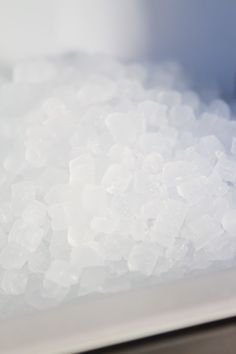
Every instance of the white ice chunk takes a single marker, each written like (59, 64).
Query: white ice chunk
(39, 260)
(27, 235)
(107, 223)
(204, 230)
(85, 256)
(14, 282)
(143, 258)
(226, 167)
(13, 256)
(116, 179)
(122, 127)
(61, 273)
(94, 199)
(194, 189)
(93, 278)
(169, 222)
(82, 169)
(58, 217)
(229, 222)
(176, 172)
(34, 213)
(22, 193)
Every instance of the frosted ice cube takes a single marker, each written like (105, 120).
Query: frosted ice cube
(226, 167)
(58, 217)
(94, 198)
(120, 153)
(210, 146)
(34, 213)
(14, 282)
(169, 222)
(3, 237)
(5, 213)
(107, 223)
(123, 127)
(61, 273)
(51, 176)
(194, 189)
(39, 260)
(59, 245)
(116, 179)
(93, 278)
(182, 117)
(153, 113)
(229, 222)
(15, 162)
(157, 142)
(143, 258)
(223, 248)
(28, 236)
(82, 169)
(85, 256)
(153, 163)
(57, 194)
(175, 172)
(205, 230)
(13, 256)
(53, 291)
(22, 193)
(116, 247)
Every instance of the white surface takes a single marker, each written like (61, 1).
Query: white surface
(113, 319)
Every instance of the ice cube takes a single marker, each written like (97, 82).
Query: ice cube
(28, 236)
(61, 273)
(104, 224)
(123, 127)
(85, 256)
(169, 221)
(94, 199)
(22, 193)
(175, 172)
(116, 179)
(14, 282)
(229, 222)
(13, 256)
(226, 167)
(194, 189)
(39, 260)
(205, 230)
(143, 258)
(34, 213)
(93, 278)
(82, 169)
(58, 217)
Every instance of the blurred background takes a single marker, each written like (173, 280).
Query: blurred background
(200, 34)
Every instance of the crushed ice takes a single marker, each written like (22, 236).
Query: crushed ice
(109, 173)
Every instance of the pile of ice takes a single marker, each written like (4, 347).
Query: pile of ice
(109, 173)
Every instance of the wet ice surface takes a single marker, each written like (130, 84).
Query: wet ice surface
(110, 174)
